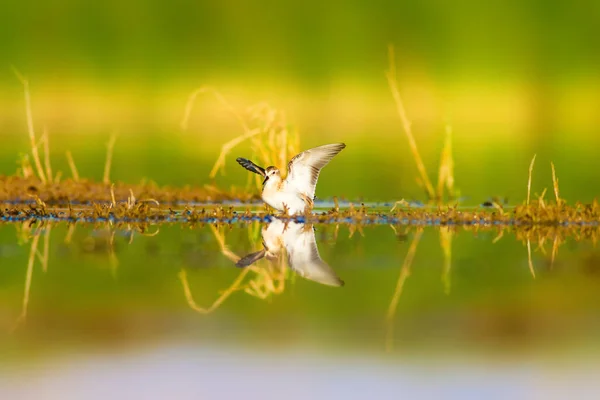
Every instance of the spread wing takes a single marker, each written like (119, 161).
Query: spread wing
(303, 255)
(303, 169)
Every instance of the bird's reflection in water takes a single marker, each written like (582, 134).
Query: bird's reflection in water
(298, 241)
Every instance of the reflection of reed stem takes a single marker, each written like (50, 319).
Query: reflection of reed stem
(70, 232)
(529, 260)
(221, 240)
(46, 253)
(404, 273)
(112, 256)
(261, 286)
(29, 274)
(224, 295)
(446, 244)
(554, 251)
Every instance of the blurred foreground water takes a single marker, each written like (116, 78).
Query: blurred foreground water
(422, 312)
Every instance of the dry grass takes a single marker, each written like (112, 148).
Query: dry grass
(445, 184)
(272, 140)
(82, 191)
(555, 185)
(446, 170)
(110, 146)
(30, 127)
(529, 179)
(406, 124)
(72, 166)
(47, 164)
(45, 186)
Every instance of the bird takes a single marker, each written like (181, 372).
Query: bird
(296, 193)
(298, 240)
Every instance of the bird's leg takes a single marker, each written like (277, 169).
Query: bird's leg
(286, 224)
(307, 227)
(309, 203)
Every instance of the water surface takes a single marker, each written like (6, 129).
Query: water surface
(465, 308)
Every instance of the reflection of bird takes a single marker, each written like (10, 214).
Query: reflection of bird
(296, 193)
(299, 243)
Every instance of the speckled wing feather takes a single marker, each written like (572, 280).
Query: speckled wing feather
(303, 255)
(304, 169)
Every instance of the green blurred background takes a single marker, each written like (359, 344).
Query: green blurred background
(513, 79)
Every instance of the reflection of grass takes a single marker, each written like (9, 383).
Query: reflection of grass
(28, 276)
(31, 234)
(222, 297)
(404, 273)
(446, 234)
(539, 221)
(26, 233)
(268, 277)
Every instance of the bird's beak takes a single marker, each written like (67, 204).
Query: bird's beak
(266, 179)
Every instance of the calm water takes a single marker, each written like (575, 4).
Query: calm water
(166, 313)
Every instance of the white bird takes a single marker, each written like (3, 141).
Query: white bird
(299, 242)
(294, 194)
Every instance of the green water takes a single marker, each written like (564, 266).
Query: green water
(480, 306)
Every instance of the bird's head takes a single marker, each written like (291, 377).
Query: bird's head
(271, 172)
